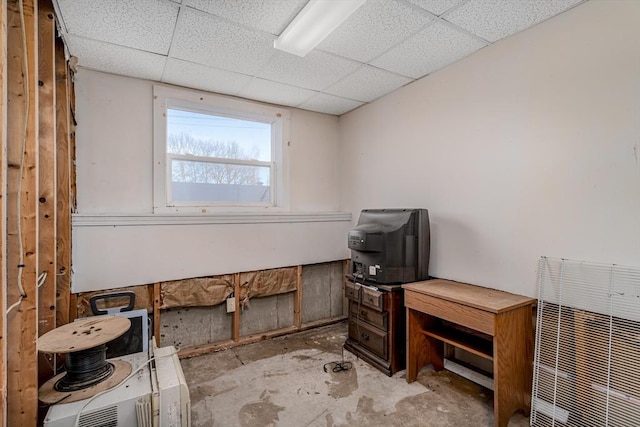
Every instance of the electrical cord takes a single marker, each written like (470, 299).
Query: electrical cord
(41, 281)
(25, 82)
(340, 366)
(135, 371)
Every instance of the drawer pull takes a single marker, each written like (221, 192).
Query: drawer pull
(364, 337)
(363, 313)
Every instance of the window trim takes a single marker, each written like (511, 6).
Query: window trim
(165, 97)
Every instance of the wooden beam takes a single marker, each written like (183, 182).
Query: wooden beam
(212, 347)
(22, 210)
(249, 339)
(297, 302)
(72, 140)
(236, 313)
(156, 312)
(73, 307)
(63, 187)
(46, 180)
(3, 213)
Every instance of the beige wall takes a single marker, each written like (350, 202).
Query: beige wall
(529, 147)
(116, 238)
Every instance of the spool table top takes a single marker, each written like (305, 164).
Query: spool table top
(83, 334)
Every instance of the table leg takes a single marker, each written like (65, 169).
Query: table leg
(421, 350)
(513, 364)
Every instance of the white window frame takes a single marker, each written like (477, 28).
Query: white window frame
(165, 97)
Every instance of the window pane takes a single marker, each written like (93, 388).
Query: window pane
(208, 135)
(219, 182)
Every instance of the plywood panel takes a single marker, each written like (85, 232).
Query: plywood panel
(22, 245)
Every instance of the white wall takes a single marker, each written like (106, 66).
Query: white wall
(529, 147)
(114, 186)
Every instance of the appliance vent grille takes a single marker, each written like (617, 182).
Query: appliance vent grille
(107, 417)
(587, 345)
(144, 412)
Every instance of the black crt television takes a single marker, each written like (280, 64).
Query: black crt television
(391, 246)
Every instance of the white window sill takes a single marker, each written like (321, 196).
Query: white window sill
(105, 220)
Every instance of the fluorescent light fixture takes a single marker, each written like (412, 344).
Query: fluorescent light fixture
(316, 20)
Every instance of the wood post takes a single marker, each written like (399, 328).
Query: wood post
(47, 179)
(63, 187)
(236, 313)
(22, 211)
(34, 86)
(156, 312)
(297, 303)
(3, 213)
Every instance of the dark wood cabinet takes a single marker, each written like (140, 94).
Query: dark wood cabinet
(376, 324)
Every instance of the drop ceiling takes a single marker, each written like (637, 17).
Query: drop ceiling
(226, 46)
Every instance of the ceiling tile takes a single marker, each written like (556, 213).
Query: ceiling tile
(495, 19)
(142, 24)
(437, 7)
(201, 77)
(209, 40)
(315, 71)
(367, 84)
(428, 51)
(115, 59)
(271, 16)
(275, 93)
(374, 28)
(329, 104)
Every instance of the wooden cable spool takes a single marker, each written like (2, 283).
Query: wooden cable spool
(87, 370)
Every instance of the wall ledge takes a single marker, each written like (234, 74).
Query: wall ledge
(124, 219)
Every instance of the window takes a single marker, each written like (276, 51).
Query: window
(214, 153)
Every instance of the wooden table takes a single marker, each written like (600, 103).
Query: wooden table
(492, 324)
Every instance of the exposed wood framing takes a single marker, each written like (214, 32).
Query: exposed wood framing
(22, 209)
(73, 303)
(156, 312)
(236, 313)
(297, 302)
(322, 322)
(47, 180)
(63, 190)
(236, 338)
(72, 139)
(249, 339)
(3, 213)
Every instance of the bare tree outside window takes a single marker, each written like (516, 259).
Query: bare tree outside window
(212, 173)
(218, 159)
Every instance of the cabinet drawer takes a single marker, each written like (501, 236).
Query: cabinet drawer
(373, 299)
(376, 318)
(352, 290)
(370, 337)
(470, 317)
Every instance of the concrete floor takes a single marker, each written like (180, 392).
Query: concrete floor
(281, 382)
